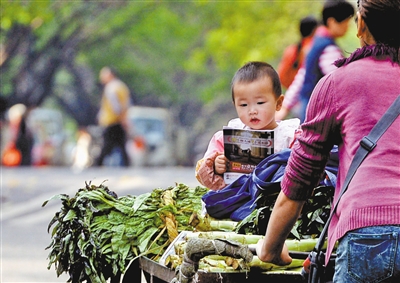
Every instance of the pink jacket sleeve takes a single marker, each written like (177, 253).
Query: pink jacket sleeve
(205, 173)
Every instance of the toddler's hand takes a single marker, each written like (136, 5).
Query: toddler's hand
(220, 164)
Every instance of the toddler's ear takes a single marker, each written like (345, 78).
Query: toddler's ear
(279, 102)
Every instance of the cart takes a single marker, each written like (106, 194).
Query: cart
(155, 272)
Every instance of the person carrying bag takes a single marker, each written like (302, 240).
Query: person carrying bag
(343, 108)
(314, 266)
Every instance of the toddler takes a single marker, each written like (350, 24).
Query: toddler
(257, 95)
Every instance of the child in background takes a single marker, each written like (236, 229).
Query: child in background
(257, 95)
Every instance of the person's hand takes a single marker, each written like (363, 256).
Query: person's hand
(281, 258)
(220, 164)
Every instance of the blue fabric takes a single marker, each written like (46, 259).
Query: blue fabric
(313, 72)
(369, 255)
(237, 200)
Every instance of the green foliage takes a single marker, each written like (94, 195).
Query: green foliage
(172, 53)
(32, 13)
(248, 31)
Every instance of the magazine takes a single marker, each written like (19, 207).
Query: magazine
(244, 149)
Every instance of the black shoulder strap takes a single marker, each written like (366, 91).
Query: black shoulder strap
(367, 144)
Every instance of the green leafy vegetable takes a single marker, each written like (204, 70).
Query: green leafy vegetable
(96, 234)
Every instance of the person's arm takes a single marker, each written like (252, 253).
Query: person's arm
(329, 55)
(284, 215)
(304, 170)
(205, 167)
(292, 94)
(206, 175)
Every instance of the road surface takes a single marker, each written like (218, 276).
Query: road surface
(23, 229)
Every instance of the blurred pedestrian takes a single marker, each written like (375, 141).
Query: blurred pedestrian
(25, 140)
(336, 15)
(3, 111)
(344, 107)
(293, 56)
(18, 151)
(3, 107)
(112, 116)
(81, 152)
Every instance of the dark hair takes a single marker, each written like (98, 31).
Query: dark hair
(253, 71)
(308, 25)
(340, 10)
(383, 20)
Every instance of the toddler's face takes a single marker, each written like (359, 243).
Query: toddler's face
(256, 104)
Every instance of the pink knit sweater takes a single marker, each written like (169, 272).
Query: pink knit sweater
(343, 108)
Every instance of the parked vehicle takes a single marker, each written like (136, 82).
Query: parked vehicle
(50, 139)
(154, 137)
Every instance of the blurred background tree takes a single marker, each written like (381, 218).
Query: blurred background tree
(178, 55)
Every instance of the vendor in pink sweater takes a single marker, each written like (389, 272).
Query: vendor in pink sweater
(344, 107)
(257, 95)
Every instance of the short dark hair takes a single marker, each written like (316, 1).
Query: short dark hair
(340, 10)
(308, 25)
(255, 70)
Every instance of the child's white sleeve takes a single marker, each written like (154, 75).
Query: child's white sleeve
(285, 134)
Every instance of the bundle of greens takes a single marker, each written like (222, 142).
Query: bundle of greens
(96, 233)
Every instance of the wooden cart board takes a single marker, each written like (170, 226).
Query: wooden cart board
(147, 270)
(157, 273)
